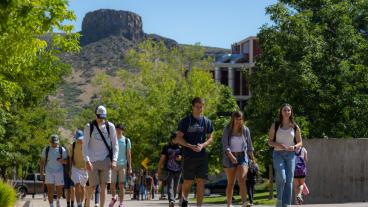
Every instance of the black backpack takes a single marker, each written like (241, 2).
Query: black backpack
(61, 155)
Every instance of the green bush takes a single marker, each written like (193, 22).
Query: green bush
(7, 195)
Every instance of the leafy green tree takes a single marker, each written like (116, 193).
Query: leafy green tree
(29, 71)
(313, 57)
(155, 93)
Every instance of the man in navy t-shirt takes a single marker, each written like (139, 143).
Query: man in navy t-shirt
(194, 134)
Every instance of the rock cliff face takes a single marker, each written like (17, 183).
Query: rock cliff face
(103, 23)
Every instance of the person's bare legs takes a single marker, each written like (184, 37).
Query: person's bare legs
(79, 193)
(59, 190)
(230, 174)
(185, 188)
(50, 192)
(102, 194)
(241, 174)
(200, 190)
(89, 192)
(113, 190)
(121, 192)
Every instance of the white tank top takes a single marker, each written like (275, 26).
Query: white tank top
(285, 137)
(236, 143)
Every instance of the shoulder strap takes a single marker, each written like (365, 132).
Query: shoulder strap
(47, 154)
(91, 128)
(61, 151)
(73, 147)
(277, 124)
(104, 140)
(107, 127)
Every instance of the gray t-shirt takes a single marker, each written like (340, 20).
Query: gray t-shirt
(52, 165)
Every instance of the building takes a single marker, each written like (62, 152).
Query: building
(232, 69)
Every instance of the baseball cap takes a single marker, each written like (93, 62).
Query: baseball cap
(54, 139)
(101, 112)
(78, 135)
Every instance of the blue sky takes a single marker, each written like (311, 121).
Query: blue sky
(216, 23)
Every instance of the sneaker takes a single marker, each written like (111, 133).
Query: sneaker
(97, 205)
(121, 205)
(112, 202)
(246, 205)
(299, 200)
(184, 203)
(171, 204)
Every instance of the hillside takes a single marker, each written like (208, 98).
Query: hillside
(106, 36)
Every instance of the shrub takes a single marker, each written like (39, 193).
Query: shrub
(7, 195)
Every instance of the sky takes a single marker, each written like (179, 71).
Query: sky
(215, 23)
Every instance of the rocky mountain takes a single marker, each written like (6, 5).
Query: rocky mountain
(105, 37)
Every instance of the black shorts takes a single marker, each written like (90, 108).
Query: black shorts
(195, 167)
(303, 176)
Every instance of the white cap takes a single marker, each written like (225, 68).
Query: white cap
(101, 112)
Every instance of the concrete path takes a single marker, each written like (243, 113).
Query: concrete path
(39, 202)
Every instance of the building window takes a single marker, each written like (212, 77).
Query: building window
(224, 76)
(237, 82)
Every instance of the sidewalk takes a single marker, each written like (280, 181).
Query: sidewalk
(39, 202)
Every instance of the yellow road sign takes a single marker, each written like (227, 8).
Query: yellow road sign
(145, 163)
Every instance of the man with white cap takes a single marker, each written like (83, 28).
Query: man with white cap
(100, 150)
(53, 157)
(79, 172)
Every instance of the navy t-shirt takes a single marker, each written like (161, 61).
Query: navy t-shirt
(171, 151)
(195, 132)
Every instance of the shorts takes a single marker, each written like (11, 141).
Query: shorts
(68, 183)
(101, 173)
(195, 167)
(119, 174)
(242, 161)
(302, 176)
(56, 178)
(79, 176)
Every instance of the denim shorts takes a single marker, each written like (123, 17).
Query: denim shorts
(242, 160)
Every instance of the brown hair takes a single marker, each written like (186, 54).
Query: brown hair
(197, 100)
(236, 114)
(291, 116)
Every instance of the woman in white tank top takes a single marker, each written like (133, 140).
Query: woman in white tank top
(237, 150)
(284, 136)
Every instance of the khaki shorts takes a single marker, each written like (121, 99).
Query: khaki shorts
(119, 174)
(101, 172)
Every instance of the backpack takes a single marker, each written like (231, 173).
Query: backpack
(300, 167)
(91, 125)
(61, 155)
(47, 153)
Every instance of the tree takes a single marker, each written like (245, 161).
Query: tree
(313, 57)
(29, 71)
(155, 93)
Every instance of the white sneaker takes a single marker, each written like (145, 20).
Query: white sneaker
(97, 205)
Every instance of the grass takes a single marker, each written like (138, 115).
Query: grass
(260, 197)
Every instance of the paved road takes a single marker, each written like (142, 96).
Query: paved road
(39, 202)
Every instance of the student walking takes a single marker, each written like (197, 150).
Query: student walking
(194, 134)
(100, 150)
(170, 159)
(123, 168)
(285, 137)
(53, 157)
(252, 179)
(79, 172)
(300, 173)
(237, 151)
